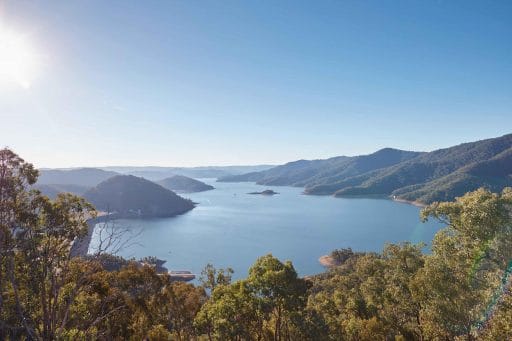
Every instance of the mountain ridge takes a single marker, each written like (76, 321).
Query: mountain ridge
(423, 177)
(85, 176)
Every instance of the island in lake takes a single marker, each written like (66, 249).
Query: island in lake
(265, 192)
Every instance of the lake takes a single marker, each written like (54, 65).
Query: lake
(230, 228)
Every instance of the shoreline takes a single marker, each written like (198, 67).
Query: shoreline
(80, 246)
(410, 202)
(368, 196)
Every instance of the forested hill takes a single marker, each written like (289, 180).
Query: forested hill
(423, 177)
(304, 173)
(128, 195)
(184, 184)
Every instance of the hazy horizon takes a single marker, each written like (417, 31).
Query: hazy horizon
(181, 84)
(242, 165)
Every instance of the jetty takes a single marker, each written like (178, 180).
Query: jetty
(182, 276)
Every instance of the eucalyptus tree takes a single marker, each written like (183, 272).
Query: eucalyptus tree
(470, 264)
(281, 294)
(36, 235)
(211, 277)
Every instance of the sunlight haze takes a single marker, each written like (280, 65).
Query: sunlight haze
(206, 83)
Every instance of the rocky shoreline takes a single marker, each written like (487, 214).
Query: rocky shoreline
(327, 261)
(414, 203)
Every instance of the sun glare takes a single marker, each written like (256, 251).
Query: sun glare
(18, 60)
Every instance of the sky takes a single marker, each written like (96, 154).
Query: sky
(190, 83)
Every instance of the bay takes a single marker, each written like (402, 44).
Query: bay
(231, 228)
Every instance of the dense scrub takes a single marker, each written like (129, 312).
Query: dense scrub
(458, 291)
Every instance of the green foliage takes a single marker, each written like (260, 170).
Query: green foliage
(468, 261)
(36, 235)
(461, 290)
(340, 256)
(231, 313)
(370, 293)
(212, 277)
(269, 304)
(499, 327)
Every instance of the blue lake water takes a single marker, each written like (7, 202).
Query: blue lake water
(230, 228)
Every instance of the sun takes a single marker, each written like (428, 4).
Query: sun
(18, 60)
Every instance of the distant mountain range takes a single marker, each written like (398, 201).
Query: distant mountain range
(184, 184)
(52, 190)
(79, 180)
(93, 176)
(87, 177)
(404, 175)
(131, 196)
(159, 173)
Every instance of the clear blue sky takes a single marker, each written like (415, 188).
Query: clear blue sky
(182, 83)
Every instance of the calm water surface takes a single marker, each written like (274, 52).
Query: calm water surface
(230, 228)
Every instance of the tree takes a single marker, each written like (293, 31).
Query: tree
(279, 290)
(340, 256)
(184, 302)
(499, 325)
(269, 304)
(15, 176)
(212, 277)
(400, 309)
(36, 235)
(461, 290)
(232, 313)
(468, 261)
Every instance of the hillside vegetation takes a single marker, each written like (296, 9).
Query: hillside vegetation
(460, 290)
(184, 184)
(128, 196)
(423, 177)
